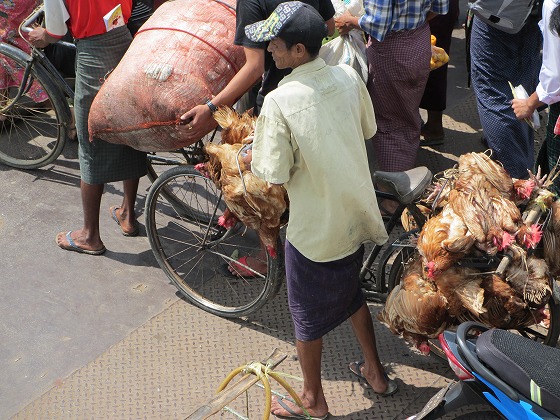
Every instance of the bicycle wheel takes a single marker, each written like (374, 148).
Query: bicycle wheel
(160, 162)
(397, 257)
(194, 252)
(31, 135)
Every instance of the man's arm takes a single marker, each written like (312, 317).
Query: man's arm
(55, 28)
(200, 116)
(331, 26)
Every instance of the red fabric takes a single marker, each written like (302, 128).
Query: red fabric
(86, 16)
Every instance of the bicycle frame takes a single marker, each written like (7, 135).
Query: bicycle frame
(36, 58)
(379, 292)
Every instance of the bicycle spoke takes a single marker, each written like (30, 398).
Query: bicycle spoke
(195, 252)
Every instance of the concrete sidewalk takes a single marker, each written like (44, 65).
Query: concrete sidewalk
(109, 338)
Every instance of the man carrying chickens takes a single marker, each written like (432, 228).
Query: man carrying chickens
(310, 138)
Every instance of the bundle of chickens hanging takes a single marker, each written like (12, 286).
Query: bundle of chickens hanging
(258, 204)
(479, 256)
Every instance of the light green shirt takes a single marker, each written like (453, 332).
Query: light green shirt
(310, 137)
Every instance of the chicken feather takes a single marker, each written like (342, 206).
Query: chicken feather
(415, 308)
(255, 202)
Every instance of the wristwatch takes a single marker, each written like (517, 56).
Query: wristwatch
(213, 108)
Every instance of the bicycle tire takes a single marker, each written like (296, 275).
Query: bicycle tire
(194, 253)
(400, 256)
(31, 136)
(190, 155)
(155, 169)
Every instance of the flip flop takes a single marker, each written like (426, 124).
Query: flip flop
(293, 415)
(241, 271)
(73, 247)
(136, 230)
(392, 386)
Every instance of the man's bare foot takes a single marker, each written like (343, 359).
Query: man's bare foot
(76, 241)
(127, 222)
(283, 407)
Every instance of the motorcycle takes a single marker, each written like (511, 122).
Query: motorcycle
(518, 377)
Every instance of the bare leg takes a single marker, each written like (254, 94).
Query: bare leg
(372, 368)
(313, 398)
(126, 213)
(88, 237)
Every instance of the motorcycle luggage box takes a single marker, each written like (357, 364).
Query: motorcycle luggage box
(530, 367)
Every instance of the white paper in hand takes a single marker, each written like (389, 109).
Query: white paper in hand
(519, 92)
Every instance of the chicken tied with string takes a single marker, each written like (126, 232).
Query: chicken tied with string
(488, 253)
(258, 204)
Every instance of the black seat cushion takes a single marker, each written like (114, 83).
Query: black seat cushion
(517, 360)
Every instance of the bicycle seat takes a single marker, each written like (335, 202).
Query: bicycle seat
(407, 186)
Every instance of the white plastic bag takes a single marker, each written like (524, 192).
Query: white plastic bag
(347, 49)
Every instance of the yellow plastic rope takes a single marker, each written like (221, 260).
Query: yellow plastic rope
(262, 372)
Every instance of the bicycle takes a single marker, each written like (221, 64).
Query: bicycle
(194, 251)
(33, 136)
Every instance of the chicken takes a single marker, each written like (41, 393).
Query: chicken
(551, 240)
(462, 288)
(444, 239)
(480, 163)
(407, 220)
(235, 127)
(529, 277)
(504, 308)
(476, 213)
(437, 194)
(415, 309)
(255, 202)
(499, 293)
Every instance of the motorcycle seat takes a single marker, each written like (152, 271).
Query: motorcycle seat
(531, 368)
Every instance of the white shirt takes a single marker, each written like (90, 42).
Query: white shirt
(310, 137)
(56, 16)
(548, 89)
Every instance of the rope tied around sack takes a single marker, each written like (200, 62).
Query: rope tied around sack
(233, 66)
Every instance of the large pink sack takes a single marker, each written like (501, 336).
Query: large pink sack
(182, 56)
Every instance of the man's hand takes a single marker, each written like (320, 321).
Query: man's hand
(40, 38)
(345, 23)
(524, 108)
(521, 108)
(198, 123)
(247, 158)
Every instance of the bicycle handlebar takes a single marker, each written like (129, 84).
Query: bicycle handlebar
(26, 26)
